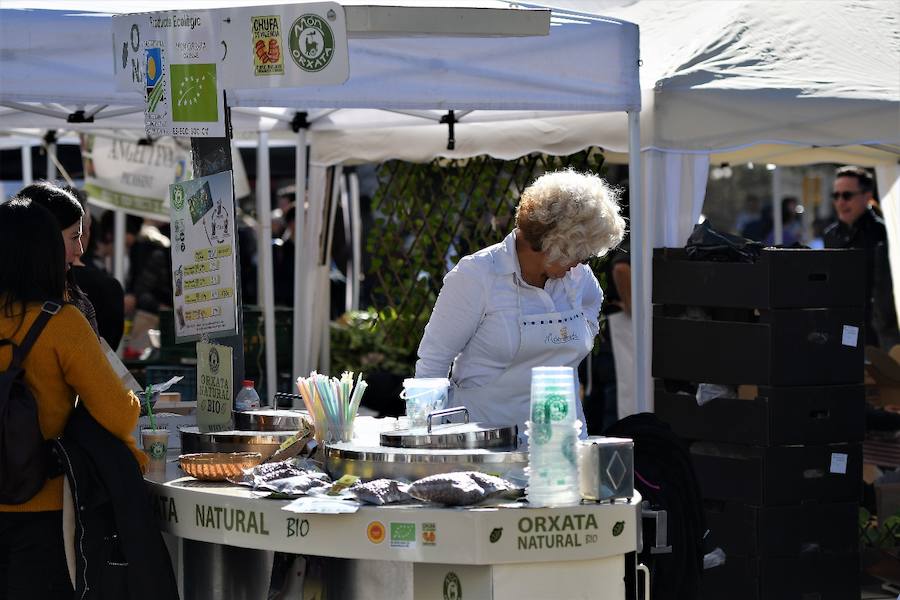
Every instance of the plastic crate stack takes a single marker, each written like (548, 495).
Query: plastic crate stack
(780, 465)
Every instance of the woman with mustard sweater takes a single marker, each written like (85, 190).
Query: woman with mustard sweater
(64, 365)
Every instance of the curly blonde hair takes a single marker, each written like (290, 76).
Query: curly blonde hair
(571, 216)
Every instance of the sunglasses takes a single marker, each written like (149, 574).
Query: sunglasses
(843, 195)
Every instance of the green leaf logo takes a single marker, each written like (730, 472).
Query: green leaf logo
(495, 534)
(618, 528)
(194, 96)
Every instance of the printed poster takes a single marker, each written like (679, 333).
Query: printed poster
(203, 257)
(123, 174)
(215, 384)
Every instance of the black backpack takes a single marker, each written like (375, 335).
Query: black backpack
(665, 477)
(23, 452)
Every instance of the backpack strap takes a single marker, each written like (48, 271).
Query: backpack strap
(21, 351)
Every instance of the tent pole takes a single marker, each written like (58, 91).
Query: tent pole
(300, 320)
(641, 244)
(265, 295)
(356, 221)
(348, 242)
(119, 250)
(27, 172)
(51, 152)
(776, 206)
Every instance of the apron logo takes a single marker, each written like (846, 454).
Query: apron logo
(564, 337)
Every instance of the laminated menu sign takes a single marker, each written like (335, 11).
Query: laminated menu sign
(215, 384)
(203, 257)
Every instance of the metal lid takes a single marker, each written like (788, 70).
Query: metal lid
(270, 419)
(453, 436)
(351, 451)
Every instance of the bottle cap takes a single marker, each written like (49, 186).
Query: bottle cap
(248, 383)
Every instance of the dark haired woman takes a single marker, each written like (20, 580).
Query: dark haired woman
(65, 362)
(69, 214)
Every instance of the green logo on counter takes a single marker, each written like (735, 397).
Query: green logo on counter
(403, 535)
(452, 587)
(618, 528)
(495, 534)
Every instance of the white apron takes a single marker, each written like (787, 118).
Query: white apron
(557, 339)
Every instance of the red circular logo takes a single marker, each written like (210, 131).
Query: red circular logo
(375, 532)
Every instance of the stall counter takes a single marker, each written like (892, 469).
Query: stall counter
(494, 553)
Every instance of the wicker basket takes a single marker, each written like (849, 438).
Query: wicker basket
(218, 466)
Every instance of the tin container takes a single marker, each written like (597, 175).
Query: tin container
(606, 468)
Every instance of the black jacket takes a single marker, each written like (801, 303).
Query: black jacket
(120, 553)
(870, 234)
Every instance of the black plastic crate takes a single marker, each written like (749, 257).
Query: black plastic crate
(791, 347)
(747, 530)
(781, 278)
(778, 475)
(777, 416)
(807, 576)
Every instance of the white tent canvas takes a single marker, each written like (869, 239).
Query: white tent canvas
(67, 70)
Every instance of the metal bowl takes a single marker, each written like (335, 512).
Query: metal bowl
(373, 462)
(270, 419)
(264, 442)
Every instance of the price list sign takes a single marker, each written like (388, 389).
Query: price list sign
(203, 258)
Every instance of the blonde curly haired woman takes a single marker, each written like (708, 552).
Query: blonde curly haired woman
(527, 301)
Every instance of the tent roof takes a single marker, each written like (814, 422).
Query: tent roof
(64, 57)
(787, 83)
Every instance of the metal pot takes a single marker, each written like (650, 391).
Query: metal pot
(418, 452)
(453, 436)
(264, 442)
(270, 419)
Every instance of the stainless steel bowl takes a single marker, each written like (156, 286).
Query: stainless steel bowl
(270, 419)
(264, 442)
(372, 462)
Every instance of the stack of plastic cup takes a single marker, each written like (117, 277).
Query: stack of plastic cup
(553, 438)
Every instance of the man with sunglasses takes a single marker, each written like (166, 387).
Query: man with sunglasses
(858, 226)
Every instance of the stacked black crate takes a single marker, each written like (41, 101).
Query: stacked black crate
(780, 467)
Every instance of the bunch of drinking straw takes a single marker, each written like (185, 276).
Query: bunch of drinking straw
(332, 403)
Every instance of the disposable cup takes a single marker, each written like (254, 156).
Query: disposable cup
(155, 443)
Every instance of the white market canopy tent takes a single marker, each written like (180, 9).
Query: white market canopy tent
(785, 83)
(56, 63)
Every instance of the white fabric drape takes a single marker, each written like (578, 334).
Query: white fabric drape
(675, 185)
(888, 177)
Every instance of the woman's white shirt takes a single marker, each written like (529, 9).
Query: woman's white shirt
(474, 325)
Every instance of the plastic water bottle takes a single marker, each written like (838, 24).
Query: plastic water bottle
(247, 398)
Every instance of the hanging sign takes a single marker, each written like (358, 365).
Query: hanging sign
(174, 58)
(122, 174)
(178, 58)
(204, 279)
(215, 383)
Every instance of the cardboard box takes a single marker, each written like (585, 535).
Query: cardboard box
(778, 475)
(170, 421)
(745, 530)
(171, 402)
(785, 347)
(775, 416)
(812, 575)
(781, 278)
